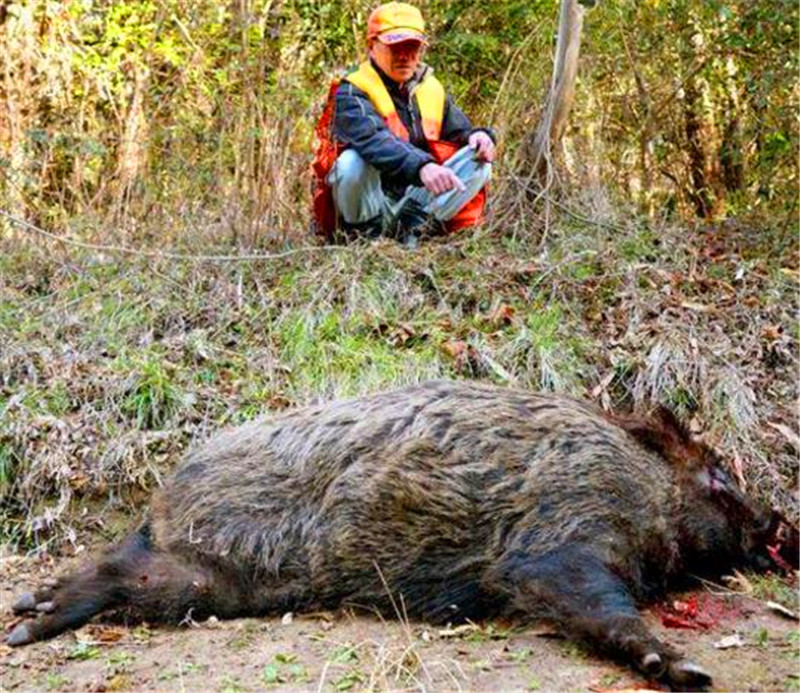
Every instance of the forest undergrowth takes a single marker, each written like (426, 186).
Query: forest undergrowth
(112, 363)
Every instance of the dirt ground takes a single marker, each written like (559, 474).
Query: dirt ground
(351, 652)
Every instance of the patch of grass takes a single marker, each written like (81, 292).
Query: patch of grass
(34, 400)
(575, 651)
(720, 270)
(153, 396)
(587, 266)
(774, 588)
(792, 682)
(58, 399)
(349, 679)
(244, 636)
(205, 376)
(521, 655)
(546, 359)
(284, 669)
(378, 299)
(27, 326)
(271, 675)
(82, 651)
(482, 665)
(120, 662)
(12, 531)
(489, 632)
(639, 247)
(231, 684)
(328, 352)
(57, 682)
(344, 654)
(142, 634)
(681, 399)
(119, 314)
(9, 465)
(608, 680)
(256, 397)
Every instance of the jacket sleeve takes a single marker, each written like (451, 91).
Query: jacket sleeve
(358, 124)
(456, 127)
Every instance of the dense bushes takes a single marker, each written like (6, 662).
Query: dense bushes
(147, 110)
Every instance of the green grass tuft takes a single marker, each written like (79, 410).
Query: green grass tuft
(153, 397)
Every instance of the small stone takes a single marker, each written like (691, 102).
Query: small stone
(287, 618)
(729, 641)
(782, 610)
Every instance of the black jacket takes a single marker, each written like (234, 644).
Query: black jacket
(358, 124)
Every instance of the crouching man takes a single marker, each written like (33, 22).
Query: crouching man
(395, 156)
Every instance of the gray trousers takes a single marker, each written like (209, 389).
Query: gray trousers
(359, 197)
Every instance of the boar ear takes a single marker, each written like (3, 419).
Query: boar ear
(670, 423)
(662, 433)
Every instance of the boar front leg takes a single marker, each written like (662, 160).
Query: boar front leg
(575, 589)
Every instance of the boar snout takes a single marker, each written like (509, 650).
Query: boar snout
(783, 544)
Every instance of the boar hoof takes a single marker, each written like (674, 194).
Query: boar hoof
(653, 665)
(26, 602)
(684, 674)
(21, 635)
(46, 607)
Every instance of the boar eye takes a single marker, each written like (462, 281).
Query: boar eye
(719, 479)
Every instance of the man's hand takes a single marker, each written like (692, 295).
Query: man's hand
(439, 179)
(483, 145)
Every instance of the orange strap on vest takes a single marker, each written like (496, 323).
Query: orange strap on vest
(429, 94)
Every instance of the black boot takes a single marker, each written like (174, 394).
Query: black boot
(409, 240)
(370, 229)
(411, 230)
(411, 225)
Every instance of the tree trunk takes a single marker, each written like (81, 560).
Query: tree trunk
(647, 133)
(16, 96)
(706, 192)
(132, 141)
(732, 155)
(543, 142)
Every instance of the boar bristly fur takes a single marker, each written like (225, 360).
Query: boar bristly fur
(457, 500)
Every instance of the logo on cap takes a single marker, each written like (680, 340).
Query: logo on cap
(395, 22)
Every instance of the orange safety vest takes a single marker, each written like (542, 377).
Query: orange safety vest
(430, 96)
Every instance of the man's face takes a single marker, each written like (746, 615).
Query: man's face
(398, 60)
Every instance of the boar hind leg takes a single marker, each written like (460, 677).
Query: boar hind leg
(582, 596)
(132, 577)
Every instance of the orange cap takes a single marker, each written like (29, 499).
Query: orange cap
(395, 22)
